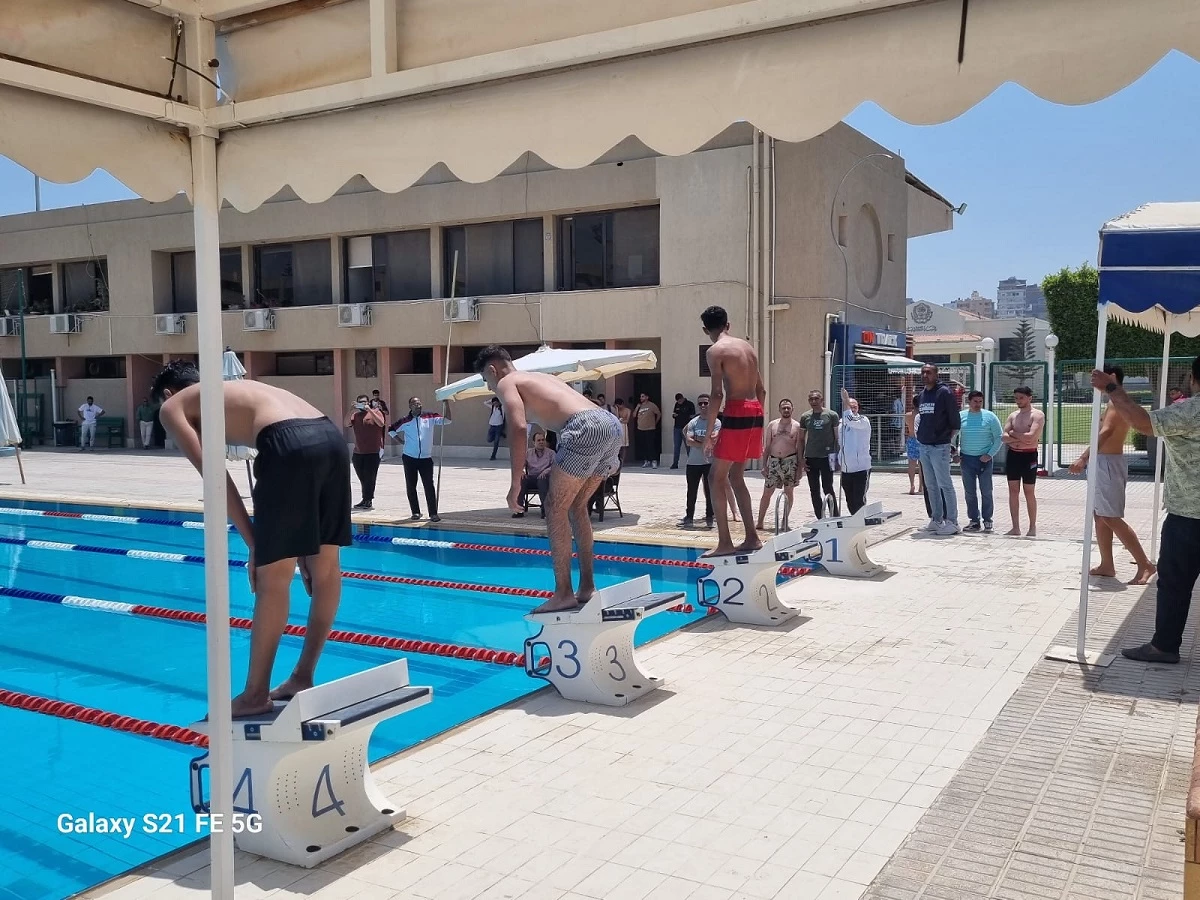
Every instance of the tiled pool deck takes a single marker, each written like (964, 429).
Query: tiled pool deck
(904, 739)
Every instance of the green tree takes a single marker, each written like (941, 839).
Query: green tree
(1071, 296)
(1025, 339)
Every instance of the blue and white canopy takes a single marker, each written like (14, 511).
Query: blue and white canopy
(1150, 267)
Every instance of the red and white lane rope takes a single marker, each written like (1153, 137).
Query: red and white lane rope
(61, 709)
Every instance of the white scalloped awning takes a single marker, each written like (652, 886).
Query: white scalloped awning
(386, 90)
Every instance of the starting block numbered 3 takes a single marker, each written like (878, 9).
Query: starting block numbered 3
(843, 541)
(743, 586)
(303, 768)
(587, 653)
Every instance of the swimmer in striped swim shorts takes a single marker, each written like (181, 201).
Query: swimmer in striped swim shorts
(589, 444)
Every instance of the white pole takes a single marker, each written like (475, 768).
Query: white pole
(53, 399)
(1158, 443)
(978, 386)
(1051, 440)
(205, 207)
(829, 374)
(1090, 505)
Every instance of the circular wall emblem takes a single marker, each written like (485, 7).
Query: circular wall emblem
(922, 313)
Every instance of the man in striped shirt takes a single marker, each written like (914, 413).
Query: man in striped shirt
(979, 440)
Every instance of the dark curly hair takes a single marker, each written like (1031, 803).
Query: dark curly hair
(174, 377)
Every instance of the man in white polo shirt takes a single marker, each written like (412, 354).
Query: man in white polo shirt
(416, 432)
(854, 456)
(88, 414)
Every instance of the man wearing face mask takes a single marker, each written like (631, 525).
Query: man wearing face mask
(416, 433)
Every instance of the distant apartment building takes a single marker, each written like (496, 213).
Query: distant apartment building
(1035, 301)
(976, 304)
(1010, 298)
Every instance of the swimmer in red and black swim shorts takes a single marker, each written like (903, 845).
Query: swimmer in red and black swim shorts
(740, 437)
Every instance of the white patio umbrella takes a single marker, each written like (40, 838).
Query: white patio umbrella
(10, 432)
(569, 365)
(233, 370)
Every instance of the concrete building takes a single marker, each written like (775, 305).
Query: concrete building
(1010, 298)
(976, 304)
(944, 335)
(332, 299)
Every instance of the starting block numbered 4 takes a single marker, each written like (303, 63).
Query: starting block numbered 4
(303, 767)
(743, 586)
(587, 653)
(843, 541)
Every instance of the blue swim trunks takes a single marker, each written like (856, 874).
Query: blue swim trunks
(912, 449)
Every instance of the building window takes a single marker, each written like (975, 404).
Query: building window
(609, 249)
(382, 267)
(85, 286)
(36, 291)
(319, 362)
(422, 361)
(183, 281)
(295, 274)
(841, 230)
(891, 248)
(104, 367)
(705, 371)
(494, 258)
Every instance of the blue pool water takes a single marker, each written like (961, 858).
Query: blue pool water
(155, 670)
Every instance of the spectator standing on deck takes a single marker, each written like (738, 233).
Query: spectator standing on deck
(1177, 425)
(912, 449)
(978, 443)
(1023, 435)
(699, 464)
(647, 438)
(495, 425)
(780, 462)
(145, 419)
(682, 414)
(854, 458)
(89, 412)
(935, 432)
(368, 424)
(818, 442)
(415, 432)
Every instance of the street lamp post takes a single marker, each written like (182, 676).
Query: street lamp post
(841, 249)
(1052, 436)
(22, 400)
(988, 344)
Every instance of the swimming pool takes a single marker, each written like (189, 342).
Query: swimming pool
(154, 669)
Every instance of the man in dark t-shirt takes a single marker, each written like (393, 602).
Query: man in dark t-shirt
(939, 422)
(368, 423)
(684, 412)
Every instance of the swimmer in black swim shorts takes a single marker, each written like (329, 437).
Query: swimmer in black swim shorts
(301, 514)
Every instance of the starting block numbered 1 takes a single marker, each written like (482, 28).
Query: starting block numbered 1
(843, 541)
(303, 768)
(743, 586)
(587, 653)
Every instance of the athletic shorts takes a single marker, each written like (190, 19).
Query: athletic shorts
(1112, 472)
(781, 472)
(1021, 465)
(301, 489)
(590, 444)
(740, 438)
(911, 448)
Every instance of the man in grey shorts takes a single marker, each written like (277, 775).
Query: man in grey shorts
(1112, 473)
(589, 443)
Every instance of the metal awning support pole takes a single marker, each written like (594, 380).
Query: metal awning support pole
(437, 491)
(1158, 444)
(1079, 654)
(205, 207)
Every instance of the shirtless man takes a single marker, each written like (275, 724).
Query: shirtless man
(780, 462)
(589, 446)
(301, 513)
(1023, 436)
(1112, 473)
(736, 381)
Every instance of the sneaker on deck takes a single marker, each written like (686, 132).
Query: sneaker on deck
(987, 526)
(933, 526)
(972, 526)
(1150, 654)
(948, 528)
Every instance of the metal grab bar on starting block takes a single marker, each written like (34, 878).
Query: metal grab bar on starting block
(843, 541)
(302, 769)
(587, 653)
(743, 585)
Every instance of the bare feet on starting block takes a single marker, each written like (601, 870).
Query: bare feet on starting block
(247, 705)
(748, 546)
(719, 550)
(290, 688)
(557, 603)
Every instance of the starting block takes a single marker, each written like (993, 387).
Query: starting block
(587, 653)
(843, 541)
(743, 585)
(302, 770)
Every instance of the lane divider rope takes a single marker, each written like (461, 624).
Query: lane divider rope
(62, 709)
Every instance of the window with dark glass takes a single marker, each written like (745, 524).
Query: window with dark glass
(183, 281)
(314, 363)
(613, 249)
(85, 286)
(382, 267)
(28, 286)
(295, 274)
(494, 258)
(104, 366)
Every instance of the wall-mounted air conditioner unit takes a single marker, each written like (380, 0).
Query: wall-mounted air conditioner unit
(10, 326)
(258, 320)
(353, 315)
(66, 323)
(461, 309)
(170, 324)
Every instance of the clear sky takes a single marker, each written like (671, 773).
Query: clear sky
(1039, 179)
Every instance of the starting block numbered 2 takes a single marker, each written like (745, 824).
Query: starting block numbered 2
(843, 541)
(743, 586)
(587, 653)
(303, 768)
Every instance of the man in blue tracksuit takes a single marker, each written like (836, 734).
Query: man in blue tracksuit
(978, 443)
(939, 424)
